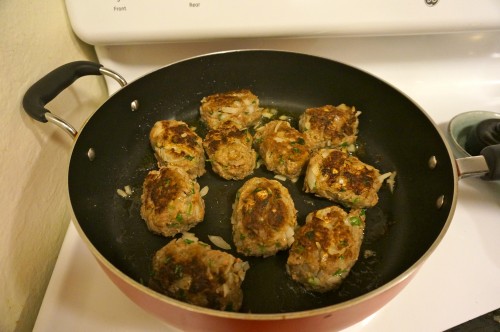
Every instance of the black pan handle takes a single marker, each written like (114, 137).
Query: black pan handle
(492, 156)
(49, 86)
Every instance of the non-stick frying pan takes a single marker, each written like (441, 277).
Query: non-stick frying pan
(112, 151)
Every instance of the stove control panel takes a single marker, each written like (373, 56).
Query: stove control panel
(106, 22)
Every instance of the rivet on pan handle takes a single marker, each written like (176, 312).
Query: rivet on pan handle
(49, 86)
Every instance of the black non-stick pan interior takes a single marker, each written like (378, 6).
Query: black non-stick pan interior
(394, 135)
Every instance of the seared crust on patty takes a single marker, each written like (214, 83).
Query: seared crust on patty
(240, 107)
(176, 144)
(230, 152)
(264, 218)
(329, 126)
(326, 248)
(342, 178)
(283, 149)
(190, 271)
(171, 201)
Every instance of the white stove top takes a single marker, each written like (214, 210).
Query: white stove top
(446, 75)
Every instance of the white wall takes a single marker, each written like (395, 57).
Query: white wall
(34, 39)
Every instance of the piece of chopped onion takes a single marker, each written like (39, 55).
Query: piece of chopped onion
(269, 113)
(125, 192)
(121, 193)
(277, 127)
(258, 163)
(204, 191)
(219, 242)
(229, 110)
(384, 176)
(332, 249)
(351, 148)
(189, 236)
(289, 235)
(391, 181)
(390, 176)
(278, 139)
(245, 266)
(225, 290)
(280, 177)
(128, 190)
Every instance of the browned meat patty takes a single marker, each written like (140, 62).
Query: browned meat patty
(326, 248)
(342, 178)
(329, 126)
(171, 201)
(283, 149)
(230, 152)
(264, 218)
(240, 107)
(189, 270)
(174, 143)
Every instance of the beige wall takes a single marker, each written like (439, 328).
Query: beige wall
(35, 38)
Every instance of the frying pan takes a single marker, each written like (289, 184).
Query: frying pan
(112, 151)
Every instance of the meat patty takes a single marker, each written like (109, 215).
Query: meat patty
(342, 178)
(326, 248)
(283, 149)
(240, 107)
(264, 218)
(174, 143)
(189, 270)
(230, 151)
(171, 201)
(329, 126)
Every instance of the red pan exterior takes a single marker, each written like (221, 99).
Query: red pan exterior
(186, 319)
